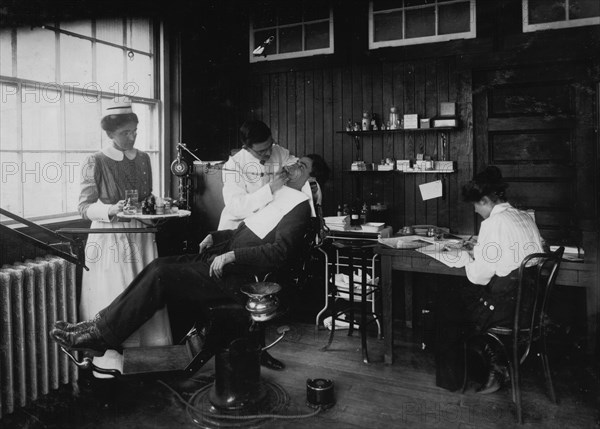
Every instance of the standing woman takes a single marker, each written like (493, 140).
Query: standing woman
(115, 258)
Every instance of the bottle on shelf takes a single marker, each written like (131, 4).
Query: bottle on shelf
(364, 214)
(339, 210)
(366, 121)
(355, 217)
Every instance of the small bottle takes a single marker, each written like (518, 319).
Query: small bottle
(364, 214)
(167, 205)
(346, 211)
(394, 118)
(160, 206)
(355, 217)
(152, 205)
(145, 207)
(366, 121)
(339, 210)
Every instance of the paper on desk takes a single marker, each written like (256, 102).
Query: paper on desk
(431, 190)
(455, 258)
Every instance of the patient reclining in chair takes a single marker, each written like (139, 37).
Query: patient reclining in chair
(264, 242)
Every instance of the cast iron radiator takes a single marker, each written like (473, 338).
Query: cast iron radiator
(33, 295)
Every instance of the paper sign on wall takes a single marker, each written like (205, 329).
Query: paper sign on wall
(431, 190)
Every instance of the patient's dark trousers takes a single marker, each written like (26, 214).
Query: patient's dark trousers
(180, 280)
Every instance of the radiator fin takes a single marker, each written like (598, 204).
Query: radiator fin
(33, 295)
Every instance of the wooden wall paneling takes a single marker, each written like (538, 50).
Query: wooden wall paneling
(274, 105)
(266, 100)
(434, 207)
(442, 95)
(347, 155)
(291, 102)
(386, 189)
(256, 93)
(463, 89)
(335, 156)
(318, 112)
(281, 113)
(397, 202)
(411, 147)
(420, 141)
(299, 113)
(309, 105)
(330, 123)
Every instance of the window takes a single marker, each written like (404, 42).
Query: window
(54, 81)
(292, 32)
(409, 22)
(545, 15)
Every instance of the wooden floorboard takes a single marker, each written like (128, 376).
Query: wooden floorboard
(373, 395)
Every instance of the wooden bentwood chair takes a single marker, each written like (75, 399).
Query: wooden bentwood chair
(528, 327)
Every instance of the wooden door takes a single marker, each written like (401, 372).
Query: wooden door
(536, 125)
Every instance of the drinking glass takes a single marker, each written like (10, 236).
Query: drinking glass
(131, 202)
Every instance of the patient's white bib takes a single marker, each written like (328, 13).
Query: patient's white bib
(266, 219)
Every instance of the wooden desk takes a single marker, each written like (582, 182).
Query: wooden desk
(411, 261)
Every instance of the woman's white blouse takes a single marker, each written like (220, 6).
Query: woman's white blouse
(506, 237)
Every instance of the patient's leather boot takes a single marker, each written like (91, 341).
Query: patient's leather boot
(498, 372)
(83, 336)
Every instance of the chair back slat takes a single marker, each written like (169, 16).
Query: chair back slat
(537, 282)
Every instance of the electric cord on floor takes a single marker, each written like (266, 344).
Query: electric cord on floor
(191, 408)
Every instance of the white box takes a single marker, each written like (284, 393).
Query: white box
(411, 121)
(447, 109)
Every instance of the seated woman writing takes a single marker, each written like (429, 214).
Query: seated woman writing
(264, 242)
(506, 236)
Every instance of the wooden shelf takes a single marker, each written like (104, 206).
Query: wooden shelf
(400, 130)
(403, 172)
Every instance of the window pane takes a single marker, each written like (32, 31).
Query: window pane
(109, 68)
(147, 136)
(546, 11)
(82, 123)
(10, 185)
(290, 39)
(454, 18)
(138, 35)
(36, 54)
(110, 30)
(75, 61)
(6, 52)
(79, 27)
(388, 26)
(420, 22)
(43, 177)
(41, 118)
(73, 166)
(8, 117)
(317, 35)
(261, 36)
(386, 4)
(140, 76)
(584, 9)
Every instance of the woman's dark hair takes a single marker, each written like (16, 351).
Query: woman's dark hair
(489, 183)
(320, 169)
(254, 131)
(111, 122)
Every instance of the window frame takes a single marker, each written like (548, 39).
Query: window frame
(555, 25)
(288, 55)
(157, 152)
(471, 34)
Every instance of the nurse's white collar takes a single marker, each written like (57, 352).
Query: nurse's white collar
(117, 155)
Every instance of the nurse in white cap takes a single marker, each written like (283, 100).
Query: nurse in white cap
(116, 258)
